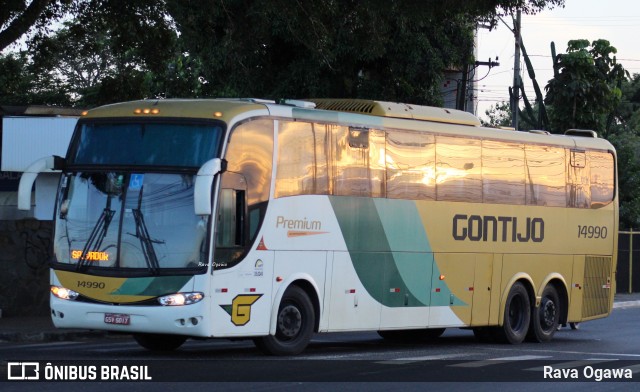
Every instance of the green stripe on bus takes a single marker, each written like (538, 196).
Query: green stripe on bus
(390, 251)
(152, 286)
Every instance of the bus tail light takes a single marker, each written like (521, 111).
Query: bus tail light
(179, 299)
(64, 293)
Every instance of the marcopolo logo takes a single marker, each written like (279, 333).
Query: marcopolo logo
(497, 228)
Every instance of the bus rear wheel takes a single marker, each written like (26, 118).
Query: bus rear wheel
(159, 342)
(545, 318)
(517, 315)
(294, 325)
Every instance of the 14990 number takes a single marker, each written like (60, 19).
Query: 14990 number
(592, 231)
(91, 285)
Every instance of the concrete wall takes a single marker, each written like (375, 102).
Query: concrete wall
(25, 251)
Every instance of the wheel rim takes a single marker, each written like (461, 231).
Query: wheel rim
(289, 322)
(548, 314)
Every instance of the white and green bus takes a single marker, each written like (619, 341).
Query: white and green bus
(274, 221)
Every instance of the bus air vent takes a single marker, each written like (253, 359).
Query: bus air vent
(397, 110)
(345, 105)
(597, 286)
(581, 132)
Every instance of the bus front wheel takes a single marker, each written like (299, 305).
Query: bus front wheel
(517, 315)
(159, 342)
(545, 318)
(294, 325)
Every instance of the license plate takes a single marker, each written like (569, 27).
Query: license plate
(121, 319)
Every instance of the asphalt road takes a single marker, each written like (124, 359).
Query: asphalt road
(353, 361)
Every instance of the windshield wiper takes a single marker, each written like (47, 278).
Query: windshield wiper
(97, 235)
(142, 233)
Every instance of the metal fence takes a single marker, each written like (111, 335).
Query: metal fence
(628, 276)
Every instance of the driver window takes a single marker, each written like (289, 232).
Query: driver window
(244, 193)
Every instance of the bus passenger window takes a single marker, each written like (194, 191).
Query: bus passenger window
(503, 172)
(358, 161)
(602, 178)
(302, 159)
(578, 189)
(458, 169)
(411, 170)
(545, 175)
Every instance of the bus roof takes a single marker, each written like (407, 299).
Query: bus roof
(221, 109)
(356, 112)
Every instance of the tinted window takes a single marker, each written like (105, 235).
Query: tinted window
(458, 169)
(545, 174)
(411, 172)
(183, 145)
(502, 172)
(602, 178)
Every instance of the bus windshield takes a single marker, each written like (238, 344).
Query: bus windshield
(126, 199)
(120, 220)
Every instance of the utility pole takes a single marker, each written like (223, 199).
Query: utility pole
(461, 103)
(515, 96)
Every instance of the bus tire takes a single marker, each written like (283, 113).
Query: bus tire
(294, 325)
(546, 317)
(159, 342)
(412, 335)
(517, 315)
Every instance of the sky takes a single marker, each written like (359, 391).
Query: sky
(617, 21)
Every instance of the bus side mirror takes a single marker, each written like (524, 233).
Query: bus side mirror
(204, 182)
(50, 164)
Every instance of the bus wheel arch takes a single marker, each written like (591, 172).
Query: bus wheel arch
(312, 292)
(296, 319)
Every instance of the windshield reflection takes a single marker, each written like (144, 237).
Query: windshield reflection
(129, 220)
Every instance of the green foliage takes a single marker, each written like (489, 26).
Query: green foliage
(586, 88)
(387, 50)
(498, 115)
(627, 144)
(20, 85)
(110, 50)
(17, 17)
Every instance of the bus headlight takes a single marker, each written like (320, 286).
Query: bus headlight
(64, 293)
(180, 299)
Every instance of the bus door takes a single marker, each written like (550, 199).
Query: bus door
(242, 273)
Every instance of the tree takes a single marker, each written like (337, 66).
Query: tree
(586, 88)
(109, 50)
(119, 50)
(20, 84)
(393, 50)
(498, 115)
(626, 140)
(17, 17)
